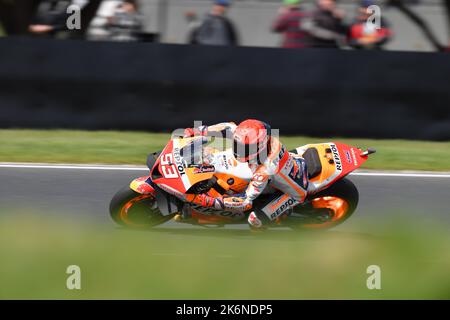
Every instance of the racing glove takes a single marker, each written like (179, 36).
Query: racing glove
(205, 201)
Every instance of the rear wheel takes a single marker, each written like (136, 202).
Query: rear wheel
(131, 209)
(327, 208)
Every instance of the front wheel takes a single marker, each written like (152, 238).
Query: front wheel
(327, 208)
(131, 209)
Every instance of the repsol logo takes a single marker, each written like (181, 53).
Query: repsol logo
(177, 158)
(337, 158)
(282, 208)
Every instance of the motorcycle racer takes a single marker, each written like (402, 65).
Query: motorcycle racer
(270, 163)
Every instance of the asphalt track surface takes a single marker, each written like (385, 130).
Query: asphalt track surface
(84, 193)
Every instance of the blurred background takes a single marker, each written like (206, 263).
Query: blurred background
(412, 25)
(146, 62)
(109, 92)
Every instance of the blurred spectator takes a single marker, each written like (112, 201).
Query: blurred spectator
(97, 29)
(125, 24)
(289, 22)
(327, 28)
(50, 17)
(116, 20)
(193, 22)
(364, 34)
(216, 28)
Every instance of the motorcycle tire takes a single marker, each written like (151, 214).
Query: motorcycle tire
(339, 201)
(131, 209)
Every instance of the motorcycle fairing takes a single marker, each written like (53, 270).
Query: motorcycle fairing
(172, 173)
(141, 185)
(167, 203)
(337, 160)
(169, 170)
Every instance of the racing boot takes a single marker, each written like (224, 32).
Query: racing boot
(254, 222)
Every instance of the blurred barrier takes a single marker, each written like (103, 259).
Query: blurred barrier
(138, 86)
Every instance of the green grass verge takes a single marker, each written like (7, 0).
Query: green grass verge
(67, 146)
(218, 264)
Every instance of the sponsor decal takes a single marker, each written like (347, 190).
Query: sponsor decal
(281, 154)
(210, 212)
(288, 203)
(337, 158)
(235, 202)
(234, 205)
(204, 169)
(225, 162)
(172, 191)
(178, 162)
(355, 161)
(348, 157)
(144, 188)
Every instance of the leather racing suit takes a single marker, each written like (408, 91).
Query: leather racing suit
(280, 169)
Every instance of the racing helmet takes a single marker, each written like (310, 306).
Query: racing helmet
(250, 140)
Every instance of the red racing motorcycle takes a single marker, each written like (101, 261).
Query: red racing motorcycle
(153, 199)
